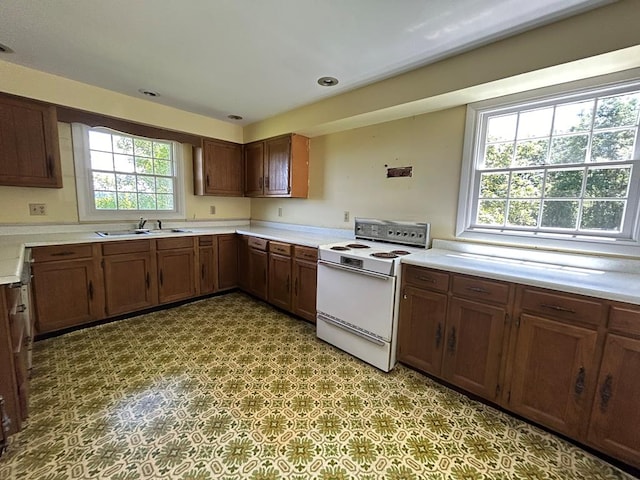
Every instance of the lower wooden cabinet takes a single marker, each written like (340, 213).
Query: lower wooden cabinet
(305, 281)
(280, 275)
(243, 262)
(67, 286)
(258, 267)
(227, 261)
(207, 264)
(176, 269)
(129, 276)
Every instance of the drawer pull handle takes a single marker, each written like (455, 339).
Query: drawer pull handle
(606, 392)
(479, 290)
(288, 284)
(557, 308)
(578, 388)
(90, 290)
(295, 287)
(452, 341)
(161, 278)
(148, 281)
(424, 278)
(438, 335)
(207, 180)
(202, 272)
(21, 308)
(62, 254)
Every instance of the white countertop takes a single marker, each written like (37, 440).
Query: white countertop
(611, 279)
(12, 245)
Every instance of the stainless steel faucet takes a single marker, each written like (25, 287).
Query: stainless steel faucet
(141, 223)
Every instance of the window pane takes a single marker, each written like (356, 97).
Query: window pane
(602, 215)
(122, 144)
(502, 128)
(163, 167)
(498, 155)
(123, 163)
(143, 148)
(560, 214)
(531, 153)
(608, 182)
(147, 201)
(104, 181)
(491, 212)
(164, 185)
(144, 165)
(573, 117)
(127, 201)
(526, 184)
(105, 200)
(570, 149)
(162, 150)
(618, 111)
(101, 161)
(563, 183)
(535, 123)
(126, 183)
(165, 202)
(146, 184)
(494, 185)
(523, 213)
(612, 146)
(100, 141)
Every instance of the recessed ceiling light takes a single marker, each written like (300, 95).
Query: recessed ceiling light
(5, 49)
(327, 81)
(234, 117)
(148, 93)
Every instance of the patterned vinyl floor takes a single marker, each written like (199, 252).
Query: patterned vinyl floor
(229, 388)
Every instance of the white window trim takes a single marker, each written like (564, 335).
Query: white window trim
(84, 192)
(472, 142)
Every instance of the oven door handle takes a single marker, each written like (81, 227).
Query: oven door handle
(338, 266)
(350, 329)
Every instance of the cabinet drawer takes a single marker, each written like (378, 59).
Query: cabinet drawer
(480, 289)
(173, 243)
(426, 278)
(205, 241)
(306, 253)
(126, 246)
(625, 319)
(563, 306)
(281, 248)
(258, 243)
(61, 252)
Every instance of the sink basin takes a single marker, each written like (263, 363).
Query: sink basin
(122, 233)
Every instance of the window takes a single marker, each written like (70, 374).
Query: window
(561, 168)
(121, 176)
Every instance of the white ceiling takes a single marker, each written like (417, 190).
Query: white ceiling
(254, 58)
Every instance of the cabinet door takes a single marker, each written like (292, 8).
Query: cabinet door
(421, 329)
(277, 166)
(258, 262)
(227, 261)
(553, 373)
(280, 281)
(29, 144)
(66, 294)
(473, 346)
(253, 169)
(206, 260)
(305, 275)
(8, 385)
(615, 418)
(130, 283)
(243, 262)
(176, 274)
(222, 173)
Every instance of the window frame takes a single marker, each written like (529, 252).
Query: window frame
(625, 242)
(84, 187)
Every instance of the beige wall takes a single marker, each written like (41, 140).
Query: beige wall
(347, 173)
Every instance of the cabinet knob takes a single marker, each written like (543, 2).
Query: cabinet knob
(606, 392)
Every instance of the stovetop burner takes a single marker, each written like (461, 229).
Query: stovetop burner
(385, 255)
(357, 245)
(400, 252)
(340, 248)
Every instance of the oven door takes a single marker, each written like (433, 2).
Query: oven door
(360, 301)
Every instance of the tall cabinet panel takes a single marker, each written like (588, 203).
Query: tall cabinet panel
(218, 169)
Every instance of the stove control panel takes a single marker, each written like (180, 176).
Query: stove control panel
(408, 233)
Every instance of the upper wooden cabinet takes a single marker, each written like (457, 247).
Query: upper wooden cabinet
(277, 167)
(29, 150)
(217, 169)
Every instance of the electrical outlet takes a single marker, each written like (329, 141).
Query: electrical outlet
(212, 209)
(346, 216)
(279, 211)
(37, 209)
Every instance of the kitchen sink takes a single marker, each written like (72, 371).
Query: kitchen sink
(125, 233)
